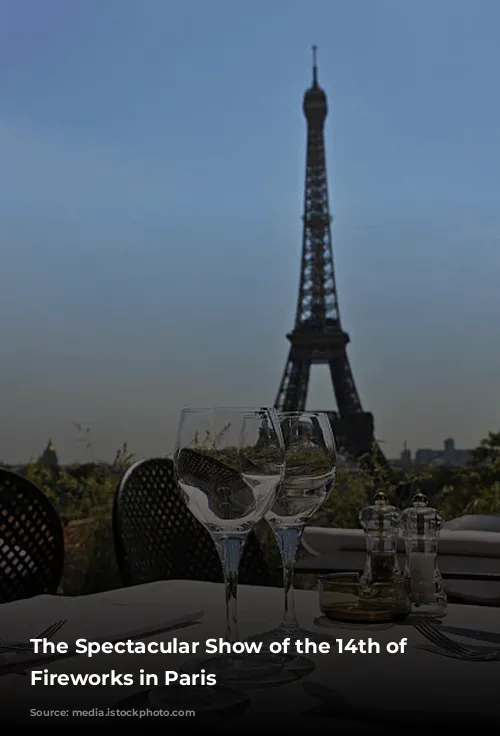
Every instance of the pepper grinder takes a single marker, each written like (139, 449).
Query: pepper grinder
(421, 525)
(380, 523)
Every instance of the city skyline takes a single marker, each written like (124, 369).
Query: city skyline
(150, 211)
(408, 457)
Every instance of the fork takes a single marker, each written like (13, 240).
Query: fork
(447, 645)
(47, 633)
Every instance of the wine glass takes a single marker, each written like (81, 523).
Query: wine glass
(311, 459)
(229, 464)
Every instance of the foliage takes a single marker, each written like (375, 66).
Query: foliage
(209, 442)
(262, 457)
(80, 489)
(83, 495)
(473, 489)
(488, 452)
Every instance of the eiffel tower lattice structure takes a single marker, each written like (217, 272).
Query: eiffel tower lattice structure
(318, 337)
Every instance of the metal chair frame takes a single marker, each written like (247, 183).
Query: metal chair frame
(156, 537)
(31, 540)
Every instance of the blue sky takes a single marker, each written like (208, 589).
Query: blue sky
(150, 199)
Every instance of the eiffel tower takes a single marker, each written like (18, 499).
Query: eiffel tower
(318, 337)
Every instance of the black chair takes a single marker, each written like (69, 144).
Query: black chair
(156, 537)
(31, 540)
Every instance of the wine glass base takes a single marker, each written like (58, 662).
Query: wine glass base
(298, 634)
(296, 662)
(329, 623)
(250, 671)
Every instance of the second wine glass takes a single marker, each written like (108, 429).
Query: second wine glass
(311, 460)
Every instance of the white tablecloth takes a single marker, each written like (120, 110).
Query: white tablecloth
(442, 683)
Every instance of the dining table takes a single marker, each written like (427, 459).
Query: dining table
(393, 682)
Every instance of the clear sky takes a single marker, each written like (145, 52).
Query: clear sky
(151, 183)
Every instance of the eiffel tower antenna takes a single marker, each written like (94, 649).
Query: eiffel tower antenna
(315, 65)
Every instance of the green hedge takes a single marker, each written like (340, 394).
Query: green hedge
(83, 496)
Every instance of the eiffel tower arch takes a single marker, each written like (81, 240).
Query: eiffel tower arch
(317, 336)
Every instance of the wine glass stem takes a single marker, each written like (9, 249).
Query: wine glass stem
(288, 539)
(230, 548)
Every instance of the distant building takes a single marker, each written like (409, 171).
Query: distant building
(449, 456)
(48, 458)
(404, 461)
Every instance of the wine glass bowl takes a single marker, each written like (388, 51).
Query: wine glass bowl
(310, 457)
(229, 478)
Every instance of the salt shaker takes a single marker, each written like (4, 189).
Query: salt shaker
(380, 523)
(421, 525)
